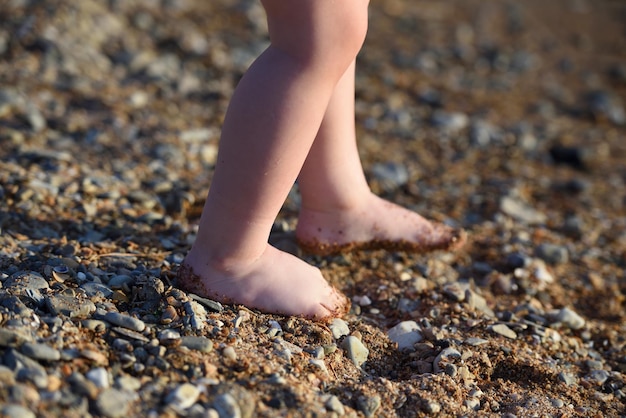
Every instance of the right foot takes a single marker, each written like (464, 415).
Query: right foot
(276, 282)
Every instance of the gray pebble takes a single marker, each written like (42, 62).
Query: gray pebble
(99, 376)
(22, 281)
(69, 306)
(521, 211)
(93, 289)
(598, 376)
(339, 328)
(125, 321)
(183, 397)
(16, 411)
(355, 350)
(557, 403)
(569, 318)
(333, 404)
(39, 351)
(567, 378)
(504, 330)
(455, 291)
(13, 337)
(406, 334)
(113, 403)
(202, 344)
(448, 354)
(207, 303)
(368, 404)
(390, 175)
(552, 253)
(431, 407)
(474, 341)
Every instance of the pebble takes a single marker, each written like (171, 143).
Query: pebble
(229, 353)
(455, 291)
(15, 411)
(368, 405)
(557, 403)
(39, 351)
(567, 378)
(406, 334)
(355, 350)
(521, 211)
(70, 306)
(568, 318)
(431, 407)
(504, 330)
(391, 176)
(183, 397)
(202, 344)
(99, 376)
(598, 376)
(339, 328)
(333, 404)
(552, 253)
(125, 321)
(10, 337)
(113, 403)
(446, 355)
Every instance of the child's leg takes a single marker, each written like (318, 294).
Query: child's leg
(339, 212)
(270, 125)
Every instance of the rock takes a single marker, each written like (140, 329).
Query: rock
(99, 376)
(15, 411)
(431, 407)
(333, 404)
(450, 121)
(339, 328)
(10, 337)
(567, 317)
(521, 211)
(406, 334)
(202, 344)
(368, 404)
(446, 356)
(567, 378)
(21, 282)
(552, 253)
(39, 351)
(390, 175)
(207, 303)
(232, 401)
(355, 350)
(70, 306)
(125, 321)
(183, 397)
(113, 403)
(455, 291)
(504, 330)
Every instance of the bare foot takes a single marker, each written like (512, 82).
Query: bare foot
(276, 282)
(376, 224)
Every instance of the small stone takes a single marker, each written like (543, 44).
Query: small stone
(455, 291)
(521, 211)
(229, 353)
(598, 376)
(13, 337)
(207, 303)
(504, 330)
(355, 350)
(339, 328)
(406, 334)
(567, 378)
(446, 356)
(333, 404)
(113, 403)
(15, 411)
(125, 321)
(23, 281)
(475, 341)
(183, 397)
(40, 351)
(569, 318)
(557, 403)
(431, 407)
(368, 404)
(202, 344)
(99, 376)
(552, 253)
(319, 363)
(69, 306)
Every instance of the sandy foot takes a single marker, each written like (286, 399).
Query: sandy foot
(276, 282)
(376, 224)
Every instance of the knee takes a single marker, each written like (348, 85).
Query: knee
(318, 32)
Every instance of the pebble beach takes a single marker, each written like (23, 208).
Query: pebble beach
(505, 118)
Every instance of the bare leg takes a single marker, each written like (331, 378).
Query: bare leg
(339, 212)
(270, 125)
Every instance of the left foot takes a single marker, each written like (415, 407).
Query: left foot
(375, 224)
